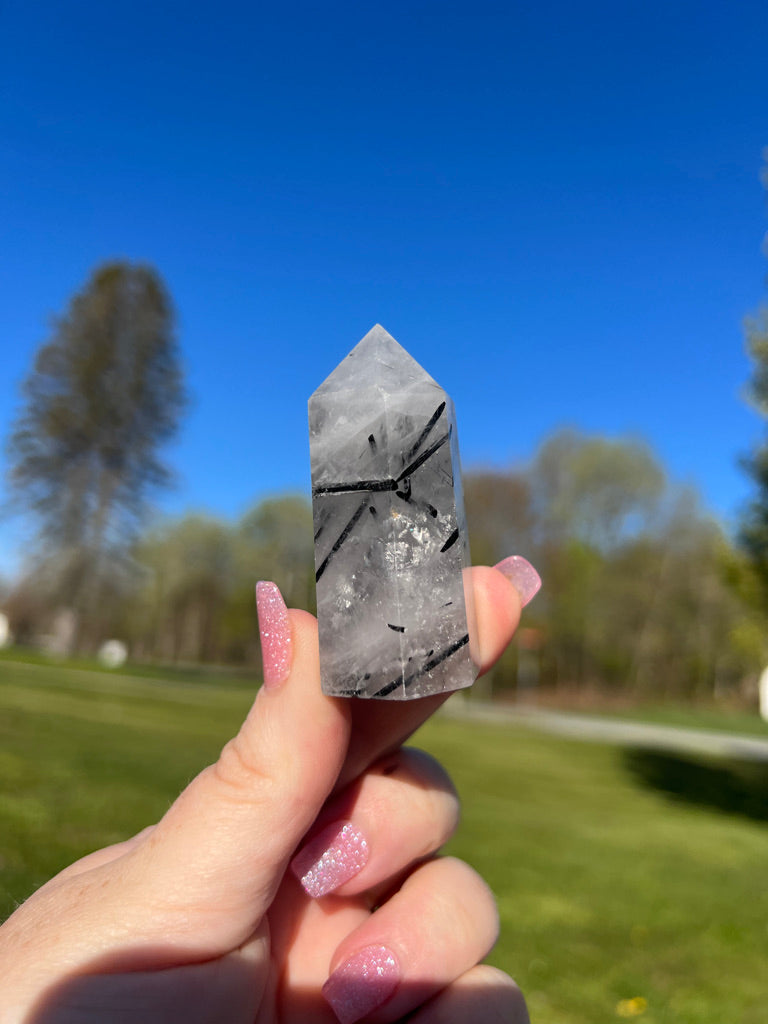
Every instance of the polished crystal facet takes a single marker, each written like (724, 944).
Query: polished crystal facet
(390, 534)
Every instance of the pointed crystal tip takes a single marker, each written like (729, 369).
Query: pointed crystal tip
(377, 360)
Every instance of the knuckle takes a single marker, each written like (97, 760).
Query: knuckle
(240, 769)
(418, 769)
(243, 776)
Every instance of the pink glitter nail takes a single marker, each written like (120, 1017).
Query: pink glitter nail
(362, 983)
(334, 856)
(275, 630)
(522, 576)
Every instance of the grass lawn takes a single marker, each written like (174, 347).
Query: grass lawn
(631, 884)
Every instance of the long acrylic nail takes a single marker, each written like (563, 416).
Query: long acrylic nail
(362, 983)
(329, 860)
(275, 631)
(522, 576)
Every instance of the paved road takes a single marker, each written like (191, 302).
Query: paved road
(610, 730)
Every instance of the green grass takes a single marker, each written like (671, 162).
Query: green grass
(619, 873)
(87, 758)
(235, 676)
(608, 889)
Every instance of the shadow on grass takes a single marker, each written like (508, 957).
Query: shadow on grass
(733, 787)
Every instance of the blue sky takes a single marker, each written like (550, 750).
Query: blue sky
(555, 207)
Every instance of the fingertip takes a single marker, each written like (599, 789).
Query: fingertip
(497, 612)
(299, 710)
(304, 634)
(522, 575)
(276, 634)
(288, 636)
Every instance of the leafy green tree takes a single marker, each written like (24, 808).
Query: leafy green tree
(754, 527)
(593, 488)
(196, 601)
(643, 593)
(188, 567)
(277, 543)
(669, 611)
(273, 541)
(499, 514)
(104, 394)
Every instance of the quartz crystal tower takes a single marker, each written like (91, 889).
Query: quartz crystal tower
(390, 534)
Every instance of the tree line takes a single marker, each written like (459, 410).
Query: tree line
(643, 593)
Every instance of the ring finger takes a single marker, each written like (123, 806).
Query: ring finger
(440, 924)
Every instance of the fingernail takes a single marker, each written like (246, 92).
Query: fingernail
(275, 630)
(522, 576)
(362, 983)
(329, 860)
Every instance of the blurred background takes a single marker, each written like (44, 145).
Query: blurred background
(560, 211)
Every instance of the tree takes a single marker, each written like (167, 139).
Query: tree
(595, 489)
(273, 542)
(188, 566)
(754, 527)
(104, 394)
(196, 599)
(276, 544)
(642, 592)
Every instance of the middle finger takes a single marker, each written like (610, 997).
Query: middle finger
(354, 847)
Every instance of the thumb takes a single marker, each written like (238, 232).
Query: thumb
(220, 851)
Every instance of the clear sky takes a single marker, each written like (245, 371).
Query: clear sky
(555, 207)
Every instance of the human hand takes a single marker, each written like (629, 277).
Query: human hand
(197, 920)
